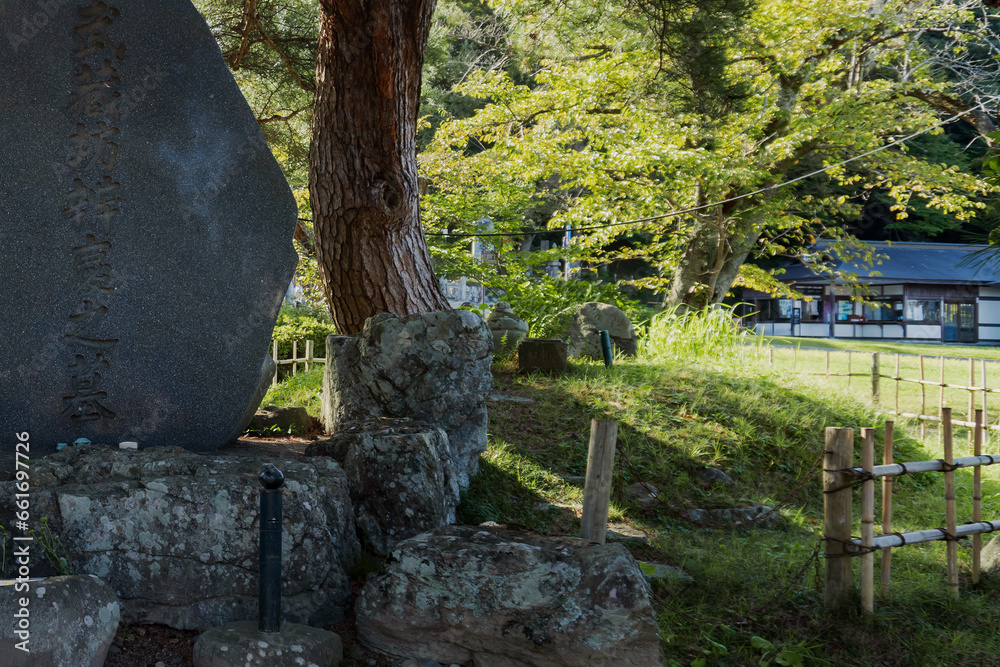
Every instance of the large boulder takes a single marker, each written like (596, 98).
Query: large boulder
(130, 156)
(176, 533)
(433, 367)
(501, 598)
(587, 321)
(399, 477)
(68, 622)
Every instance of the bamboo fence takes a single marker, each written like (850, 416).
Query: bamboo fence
(839, 479)
(976, 387)
(296, 359)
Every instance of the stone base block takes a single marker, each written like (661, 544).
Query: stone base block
(242, 644)
(547, 355)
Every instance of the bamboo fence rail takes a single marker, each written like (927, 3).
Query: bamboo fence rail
(977, 386)
(839, 478)
(294, 362)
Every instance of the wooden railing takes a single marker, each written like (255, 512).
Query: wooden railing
(839, 479)
(296, 359)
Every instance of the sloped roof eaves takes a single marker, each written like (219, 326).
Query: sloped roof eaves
(908, 262)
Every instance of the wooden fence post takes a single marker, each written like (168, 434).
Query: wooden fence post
(949, 503)
(295, 357)
(875, 378)
(274, 355)
(977, 492)
(597, 488)
(972, 398)
(868, 520)
(309, 353)
(923, 400)
(887, 457)
(985, 421)
(837, 456)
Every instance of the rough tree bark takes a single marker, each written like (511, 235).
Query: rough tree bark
(370, 247)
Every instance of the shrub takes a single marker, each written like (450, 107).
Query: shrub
(302, 324)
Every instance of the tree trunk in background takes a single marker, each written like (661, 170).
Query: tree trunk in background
(370, 247)
(711, 261)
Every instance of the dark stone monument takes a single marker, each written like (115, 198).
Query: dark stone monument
(547, 355)
(145, 230)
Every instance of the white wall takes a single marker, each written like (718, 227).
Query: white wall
(989, 312)
(926, 331)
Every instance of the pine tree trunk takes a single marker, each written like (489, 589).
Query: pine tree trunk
(370, 247)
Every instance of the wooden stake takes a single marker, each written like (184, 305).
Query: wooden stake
(828, 365)
(985, 421)
(597, 488)
(972, 398)
(923, 400)
(838, 455)
(876, 374)
(941, 398)
(897, 383)
(949, 504)
(309, 353)
(868, 520)
(850, 374)
(295, 357)
(977, 493)
(887, 456)
(274, 355)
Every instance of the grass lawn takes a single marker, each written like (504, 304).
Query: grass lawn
(831, 367)
(892, 347)
(756, 594)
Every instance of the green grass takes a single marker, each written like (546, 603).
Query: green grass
(892, 347)
(305, 389)
(829, 368)
(764, 428)
(756, 598)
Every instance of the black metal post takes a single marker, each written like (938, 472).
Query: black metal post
(609, 358)
(269, 578)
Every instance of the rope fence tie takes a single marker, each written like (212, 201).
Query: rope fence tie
(948, 467)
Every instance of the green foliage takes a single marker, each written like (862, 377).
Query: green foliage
(610, 127)
(302, 324)
(52, 547)
(712, 333)
(545, 303)
(304, 389)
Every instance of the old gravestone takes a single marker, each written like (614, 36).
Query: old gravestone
(145, 229)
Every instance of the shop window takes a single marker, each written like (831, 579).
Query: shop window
(811, 311)
(775, 310)
(884, 310)
(845, 310)
(923, 310)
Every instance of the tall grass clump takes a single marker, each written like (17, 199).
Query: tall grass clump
(683, 334)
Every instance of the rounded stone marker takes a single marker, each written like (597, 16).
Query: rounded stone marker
(242, 644)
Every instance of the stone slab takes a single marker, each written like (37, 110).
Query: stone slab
(175, 533)
(70, 622)
(241, 644)
(146, 229)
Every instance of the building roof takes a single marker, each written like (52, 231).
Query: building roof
(906, 263)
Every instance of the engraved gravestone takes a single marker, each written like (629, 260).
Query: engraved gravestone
(145, 229)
